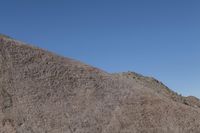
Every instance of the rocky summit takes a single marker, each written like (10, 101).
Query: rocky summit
(41, 92)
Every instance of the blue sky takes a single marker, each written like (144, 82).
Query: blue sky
(159, 38)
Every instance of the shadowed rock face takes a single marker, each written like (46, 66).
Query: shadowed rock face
(41, 92)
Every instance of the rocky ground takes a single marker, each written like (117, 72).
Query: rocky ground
(41, 92)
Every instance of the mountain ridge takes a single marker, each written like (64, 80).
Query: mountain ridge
(42, 92)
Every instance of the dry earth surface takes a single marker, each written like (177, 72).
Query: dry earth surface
(41, 92)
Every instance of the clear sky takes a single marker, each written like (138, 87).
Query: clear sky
(159, 38)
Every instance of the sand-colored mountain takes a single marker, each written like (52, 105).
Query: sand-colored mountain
(41, 92)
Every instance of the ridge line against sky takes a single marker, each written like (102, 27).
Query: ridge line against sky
(155, 38)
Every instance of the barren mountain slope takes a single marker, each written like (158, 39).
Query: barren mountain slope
(161, 89)
(44, 93)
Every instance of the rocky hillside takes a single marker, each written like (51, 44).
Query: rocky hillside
(161, 89)
(41, 92)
